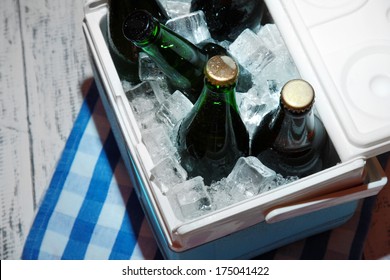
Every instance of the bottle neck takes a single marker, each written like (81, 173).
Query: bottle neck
(151, 37)
(218, 95)
(297, 131)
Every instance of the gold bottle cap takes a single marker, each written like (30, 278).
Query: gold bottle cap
(297, 96)
(221, 70)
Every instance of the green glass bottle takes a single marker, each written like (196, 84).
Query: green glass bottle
(226, 19)
(180, 60)
(292, 140)
(125, 56)
(212, 137)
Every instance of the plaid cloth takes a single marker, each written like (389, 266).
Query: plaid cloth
(90, 210)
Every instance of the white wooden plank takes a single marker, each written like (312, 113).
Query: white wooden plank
(16, 192)
(39, 100)
(56, 64)
(12, 90)
(43, 65)
(16, 198)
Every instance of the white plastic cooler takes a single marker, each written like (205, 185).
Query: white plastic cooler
(343, 49)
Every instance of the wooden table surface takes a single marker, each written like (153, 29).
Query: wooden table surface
(44, 64)
(44, 67)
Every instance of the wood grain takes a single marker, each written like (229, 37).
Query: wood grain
(56, 65)
(43, 65)
(16, 199)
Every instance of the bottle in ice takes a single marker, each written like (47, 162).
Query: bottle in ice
(226, 19)
(180, 60)
(212, 136)
(291, 139)
(125, 56)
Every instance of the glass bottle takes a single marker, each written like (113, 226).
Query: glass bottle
(291, 139)
(125, 56)
(180, 60)
(226, 19)
(212, 136)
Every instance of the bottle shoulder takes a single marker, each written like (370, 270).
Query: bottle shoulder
(290, 159)
(267, 131)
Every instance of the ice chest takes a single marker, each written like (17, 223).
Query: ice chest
(343, 49)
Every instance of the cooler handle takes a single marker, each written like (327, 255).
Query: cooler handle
(325, 201)
(91, 5)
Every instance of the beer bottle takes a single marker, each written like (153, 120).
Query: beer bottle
(212, 49)
(226, 19)
(180, 60)
(292, 140)
(212, 136)
(125, 56)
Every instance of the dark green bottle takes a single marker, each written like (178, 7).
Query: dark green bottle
(291, 140)
(244, 82)
(212, 137)
(180, 60)
(124, 55)
(226, 19)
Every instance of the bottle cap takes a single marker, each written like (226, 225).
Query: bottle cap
(138, 26)
(221, 70)
(297, 96)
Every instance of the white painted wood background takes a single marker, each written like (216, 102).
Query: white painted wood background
(43, 65)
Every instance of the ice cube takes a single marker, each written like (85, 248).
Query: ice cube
(168, 173)
(281, 69)
(278, 181)
(148, 69)
(255, 104)
(278, 72)
(251, 108)
(271, 98)
(142, 100)
(174, 109)
(177, 8)
(148, 122)
(144, 105)
(161, 89)
(139, 89)
(158, 144)
(191, 198)
(220, 194)
(192, 26)
(273, 86)
(251, 52)
(126, 85)
(270, 35)
(248, 176)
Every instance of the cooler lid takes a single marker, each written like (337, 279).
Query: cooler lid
(342, 47)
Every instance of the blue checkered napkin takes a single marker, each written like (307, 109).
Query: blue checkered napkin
(90, 210)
